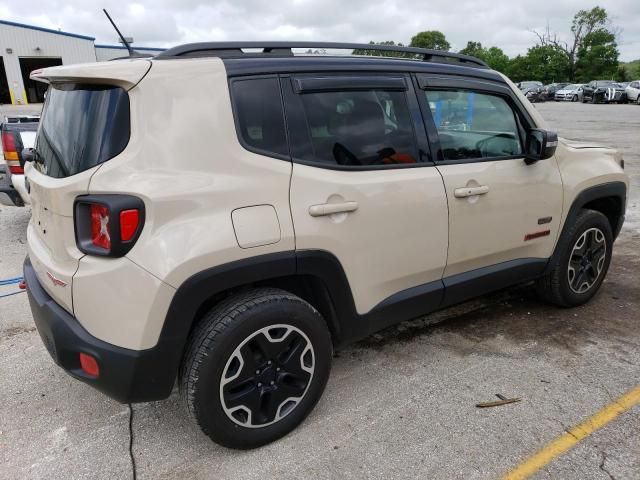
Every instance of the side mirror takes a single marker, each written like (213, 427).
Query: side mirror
(541, 144)
(28, 155)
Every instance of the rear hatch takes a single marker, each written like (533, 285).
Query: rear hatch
(85, 122)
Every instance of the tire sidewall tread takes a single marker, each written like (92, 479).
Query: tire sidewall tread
(554, 286)
(215, 338)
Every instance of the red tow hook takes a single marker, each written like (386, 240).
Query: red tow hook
(22, 285)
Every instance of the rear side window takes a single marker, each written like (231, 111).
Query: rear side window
(259, 117)
(357, 128)
(81, 127)
(474, 125)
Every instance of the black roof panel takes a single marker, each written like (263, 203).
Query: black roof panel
(258, 65)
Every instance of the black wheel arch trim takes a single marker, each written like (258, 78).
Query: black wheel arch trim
(333, 291)
(616, 190)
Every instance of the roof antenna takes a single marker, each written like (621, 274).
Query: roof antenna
(132, 53)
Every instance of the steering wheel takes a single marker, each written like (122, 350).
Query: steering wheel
(482, 145)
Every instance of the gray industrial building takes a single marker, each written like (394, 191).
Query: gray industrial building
(24, 48)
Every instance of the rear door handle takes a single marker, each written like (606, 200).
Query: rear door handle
(331, 208)
(470, 191)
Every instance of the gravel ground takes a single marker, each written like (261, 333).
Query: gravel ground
(400, 404)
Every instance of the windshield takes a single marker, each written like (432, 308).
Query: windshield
(81, 127)
(575, 86)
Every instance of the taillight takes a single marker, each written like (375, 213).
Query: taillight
(108, 225)
(11, 153)
(100, 235)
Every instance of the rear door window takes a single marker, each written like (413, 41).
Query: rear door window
(353, 128)
(474, 125)
(81, 127)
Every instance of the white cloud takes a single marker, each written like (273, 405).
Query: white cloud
(163, 23)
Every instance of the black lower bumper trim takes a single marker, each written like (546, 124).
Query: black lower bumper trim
(125, 375)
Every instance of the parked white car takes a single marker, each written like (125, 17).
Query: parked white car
(570, 93)
(633, 92)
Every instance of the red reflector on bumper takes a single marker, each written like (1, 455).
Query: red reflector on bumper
(89, 365)
(128, 224)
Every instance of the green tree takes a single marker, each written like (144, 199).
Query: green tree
(632, 70)
(493, 56)
(518, 69)
(597, 56)
(432, 39)
(584, 34)
(474, 49)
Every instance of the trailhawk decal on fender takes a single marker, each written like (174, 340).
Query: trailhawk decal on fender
(56, 281)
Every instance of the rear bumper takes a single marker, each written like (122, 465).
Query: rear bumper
(125, 375)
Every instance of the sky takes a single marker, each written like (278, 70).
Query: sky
(507, 24)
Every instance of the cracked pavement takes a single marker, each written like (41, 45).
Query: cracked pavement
(400, 404)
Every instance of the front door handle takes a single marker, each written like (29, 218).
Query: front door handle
(332, 208)
(470, 191)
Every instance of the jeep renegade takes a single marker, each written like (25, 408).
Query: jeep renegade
(224, 215)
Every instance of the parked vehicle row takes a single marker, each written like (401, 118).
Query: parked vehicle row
(596, 91)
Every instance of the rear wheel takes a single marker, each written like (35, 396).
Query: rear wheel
(255, 367)
(581, 262)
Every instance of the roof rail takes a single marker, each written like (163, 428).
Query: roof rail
(235, 49)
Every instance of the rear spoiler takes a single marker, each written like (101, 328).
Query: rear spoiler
(123, 73)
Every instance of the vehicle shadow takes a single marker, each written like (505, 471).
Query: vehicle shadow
(518, 317)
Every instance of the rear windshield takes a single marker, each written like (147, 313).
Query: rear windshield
(81, 127)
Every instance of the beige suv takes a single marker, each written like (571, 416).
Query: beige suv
(226, 214)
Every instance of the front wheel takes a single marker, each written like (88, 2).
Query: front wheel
(255, 367)
(581, 261)
(574, 98)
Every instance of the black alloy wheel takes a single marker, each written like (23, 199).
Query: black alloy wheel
(587, 260)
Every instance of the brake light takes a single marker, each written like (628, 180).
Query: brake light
(128, 224)
(108, 225)
(8, 143)
(100, 231)
(11, 153)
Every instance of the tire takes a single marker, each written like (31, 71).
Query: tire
(594, 99)
(574, 98)
(253, 350)
(638, 99)
(565, 288)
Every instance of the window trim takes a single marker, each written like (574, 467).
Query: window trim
(342, 83)
(428, 82)
(236, 118)
(293, 109)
